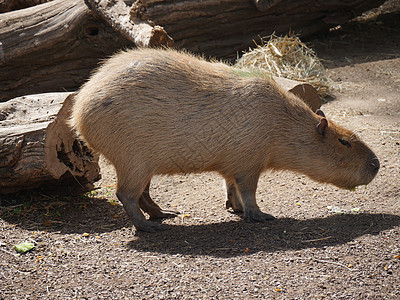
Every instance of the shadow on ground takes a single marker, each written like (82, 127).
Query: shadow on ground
(237, 238)
(66, 215)
(225, 239)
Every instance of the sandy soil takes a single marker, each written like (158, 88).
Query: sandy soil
(86, 247)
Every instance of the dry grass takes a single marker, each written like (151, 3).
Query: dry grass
(288, 57)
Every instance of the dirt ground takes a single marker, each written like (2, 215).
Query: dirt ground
(326, 242)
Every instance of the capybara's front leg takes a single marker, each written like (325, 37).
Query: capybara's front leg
(130, 201)
(247, 186)
(147, 204)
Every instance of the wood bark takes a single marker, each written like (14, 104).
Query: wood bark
(38, 149)
(222, 28)
(52, 47)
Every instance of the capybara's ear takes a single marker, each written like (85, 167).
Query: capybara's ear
(320, 113)
(322, 125)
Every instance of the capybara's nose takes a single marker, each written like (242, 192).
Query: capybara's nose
(375, 165)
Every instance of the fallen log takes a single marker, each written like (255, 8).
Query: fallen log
(38, 149)
(223, 28)
(52, 47)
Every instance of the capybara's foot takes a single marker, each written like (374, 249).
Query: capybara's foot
(257, 216)
(164, 214)
(148, 226)
(155, 212)
(131, 205)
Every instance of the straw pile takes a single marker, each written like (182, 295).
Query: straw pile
(288, 57)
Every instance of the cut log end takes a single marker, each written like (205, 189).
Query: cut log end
(64, 152)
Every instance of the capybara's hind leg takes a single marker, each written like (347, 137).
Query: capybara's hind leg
(147, 204)
(247, 186)
(233, 197)
(130, 202)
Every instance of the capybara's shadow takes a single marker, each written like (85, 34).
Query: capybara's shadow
(235, 238)
(224, 239)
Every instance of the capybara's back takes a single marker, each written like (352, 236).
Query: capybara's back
(164, 112)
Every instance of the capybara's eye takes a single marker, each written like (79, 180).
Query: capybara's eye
(345, 143)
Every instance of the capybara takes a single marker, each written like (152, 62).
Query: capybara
(153, 111)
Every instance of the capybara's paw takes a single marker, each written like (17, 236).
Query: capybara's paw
(148, 226)
(257, 216)
(235, 207)
(164, 214)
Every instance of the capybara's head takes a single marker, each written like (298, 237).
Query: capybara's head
(343, 159)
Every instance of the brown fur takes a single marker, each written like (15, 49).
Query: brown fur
(165, 112)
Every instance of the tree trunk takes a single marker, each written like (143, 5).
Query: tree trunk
(39, 149)
(222, 28)
(52, 47)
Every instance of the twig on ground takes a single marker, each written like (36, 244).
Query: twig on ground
(334, 263)
(316, 240)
